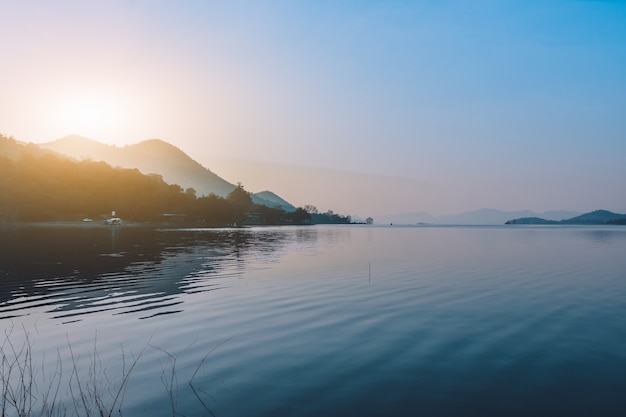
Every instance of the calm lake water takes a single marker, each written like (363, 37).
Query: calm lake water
(322, 320)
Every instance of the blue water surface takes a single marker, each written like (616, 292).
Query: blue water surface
(324, 320)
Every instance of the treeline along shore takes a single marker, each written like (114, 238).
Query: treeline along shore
(45, 187)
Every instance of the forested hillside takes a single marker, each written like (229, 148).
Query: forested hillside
(149, 156)
(42, 186)
(155, 156)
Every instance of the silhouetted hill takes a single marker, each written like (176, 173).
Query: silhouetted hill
(493, 216)
(270, 199)
(42, 185)
(152, 156)
(14, 149)
(155, 156)
(591, 218)
(531, 220)
(38, 185)
(595, 217)
(477, 217)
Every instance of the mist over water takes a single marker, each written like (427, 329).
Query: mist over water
(349, 320)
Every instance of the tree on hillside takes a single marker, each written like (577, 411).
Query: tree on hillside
(330, 217)
(241, 204)
(190, 192)
(212, 210)
(300, 216)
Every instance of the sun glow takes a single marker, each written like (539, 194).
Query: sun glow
(99, 115)
(90, 113)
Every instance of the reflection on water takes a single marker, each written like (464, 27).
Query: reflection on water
(334, 321)
(72, 271)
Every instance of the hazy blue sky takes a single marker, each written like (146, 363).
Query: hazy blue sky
(363, 107)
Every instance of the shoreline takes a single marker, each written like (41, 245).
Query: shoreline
(125, 224)
(70, 223)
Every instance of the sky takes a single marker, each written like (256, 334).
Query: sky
(363, 107)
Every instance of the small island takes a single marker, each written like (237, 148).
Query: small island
(596, 217)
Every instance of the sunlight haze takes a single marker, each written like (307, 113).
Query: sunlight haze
(365, 108)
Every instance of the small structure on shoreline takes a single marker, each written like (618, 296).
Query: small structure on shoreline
(114, 219)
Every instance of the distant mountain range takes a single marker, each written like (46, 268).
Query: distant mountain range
(477, 217)
(155, 156)
(591, 218)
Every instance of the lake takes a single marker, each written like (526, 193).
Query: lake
(318, 320)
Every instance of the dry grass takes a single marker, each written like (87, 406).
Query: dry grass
(85, 389)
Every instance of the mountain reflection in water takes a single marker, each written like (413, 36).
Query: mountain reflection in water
(77, 270)
(326, 320)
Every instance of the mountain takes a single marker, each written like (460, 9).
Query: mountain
(14, 149)
(591, 218)
(270, 199)
(595, 217)
(155, 156)
(152, 156)
(477, 217)
(531, 220)
(482, 216)
(406, 218)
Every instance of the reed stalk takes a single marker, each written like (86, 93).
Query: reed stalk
(85, 389)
